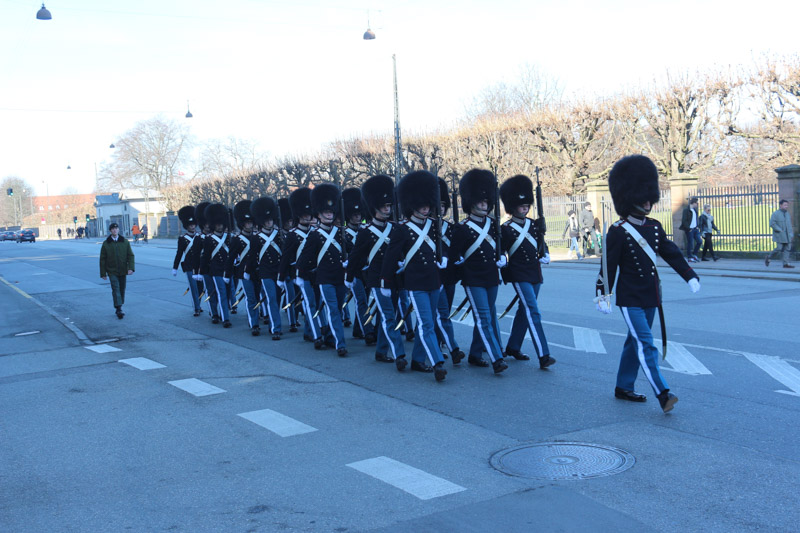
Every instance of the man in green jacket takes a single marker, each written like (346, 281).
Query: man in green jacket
(782, 233)
(116, 263)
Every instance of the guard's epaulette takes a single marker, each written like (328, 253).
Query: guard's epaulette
(618, 223)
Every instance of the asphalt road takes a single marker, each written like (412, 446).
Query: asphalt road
(298, 439)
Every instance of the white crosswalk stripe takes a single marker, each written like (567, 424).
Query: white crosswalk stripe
(416, 482)
(779, 370)
(142, 363)
(681, 360)
(196, 387)
(277, 423)
(588, 340)
(102, 348)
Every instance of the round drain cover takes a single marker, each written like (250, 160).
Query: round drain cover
(562, 460)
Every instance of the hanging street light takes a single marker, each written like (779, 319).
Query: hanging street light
(111, 145)
(188, 112)
(43, 14)
(369, 35)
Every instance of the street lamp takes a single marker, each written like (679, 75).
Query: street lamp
(43, 14)
(188, 112)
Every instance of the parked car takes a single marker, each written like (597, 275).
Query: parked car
(26, 235)
(7, 236)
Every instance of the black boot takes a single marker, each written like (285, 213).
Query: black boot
(457, 356)
(256, 331)
(439, 372)
(631, 396)
(401, 363)
(667, 400)
(516, 354)
(383, 358)
(371, 339)
(546, 361)
(477, 360)
(420, 367)
(499, 365)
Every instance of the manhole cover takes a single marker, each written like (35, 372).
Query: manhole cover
(562, 460)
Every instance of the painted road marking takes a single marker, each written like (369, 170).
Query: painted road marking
(23, 293)
(142, 363)
(196, 387)
(467, 321)
(27, 333)
(588, 340)
(681, 360)
(779, 369)
(102, 348)
(279, 424)
(416, 482)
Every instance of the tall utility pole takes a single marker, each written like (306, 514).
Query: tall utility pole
(397, 150)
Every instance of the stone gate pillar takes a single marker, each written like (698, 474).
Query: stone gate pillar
(789, 189)
(596, 193)
(682, 187)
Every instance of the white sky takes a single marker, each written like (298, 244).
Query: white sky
(293, 75)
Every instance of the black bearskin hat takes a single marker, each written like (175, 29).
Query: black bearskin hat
(217, 214)
(378, 191)
(186, 216)
(300, 202)
(477, 185)
(415, 190)
(241, 213)
(325, 197)
(264, 209)
(444, 194)
(285, 210)
(200, 214)
(633, 181)
(353, 203)
(516, 191)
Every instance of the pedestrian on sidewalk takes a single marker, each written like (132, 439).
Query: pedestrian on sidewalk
(707, 226)
(689, 226)
(59, 232)
(589, 227)
(116, 263)
(573, 228)
(782, 233)
(144, 233)
(136, 232)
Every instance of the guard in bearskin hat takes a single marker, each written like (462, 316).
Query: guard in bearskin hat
(413, 252)
(186, 256)
(242, 265)
(444, 326)
(287, 294)
(300, 206)
(631, 247)
(201, 271)
(366, 260)
(322, 260)
(476, 247)
(355, 211)
(286, 215)
(523, 242)
(267, 242)
(216, 247)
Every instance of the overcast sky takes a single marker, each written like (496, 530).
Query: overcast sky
(293, 75)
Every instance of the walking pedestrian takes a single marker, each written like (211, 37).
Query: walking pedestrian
(59, 233)
(573, 227)
(136, 232)
(782, 233)
(689, 226)
(707, 227)
(116, 263)
(589, 229)
(144, 233)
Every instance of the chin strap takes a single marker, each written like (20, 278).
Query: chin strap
(640, 210)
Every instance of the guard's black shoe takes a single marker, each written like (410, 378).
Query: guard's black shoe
(292, 329)
(499, 365)
(326, 330)
(215, 319)
(266, 321)
(546, 361)
(347, 323)
(371, 339)
(401, 363)
(383, 358)
(233, 310)
(631, 396)
(276, 336)
(330, 343)
(256, 331)
(457, 356)
(516, 354)
(307, 338)
(439, 372)
(341, 352)
(421, 367)
(477, 361)
(410, 336)
(357, 334)
(319, 344)
(227, 324)
(667, 400)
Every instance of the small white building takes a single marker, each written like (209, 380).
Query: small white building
(129, 207)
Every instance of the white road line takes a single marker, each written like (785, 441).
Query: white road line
(467, 319)
(196, 387)
(416, 482)
(282, 425)
(681, 360)
(102, 348)
(27, 333)
(779, 369)
(588, 340)
(142, 363)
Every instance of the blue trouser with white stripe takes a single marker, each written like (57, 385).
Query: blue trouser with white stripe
(271, 304)
(402, 307)
(194, 290)
(388, 337)
(310, 324)
(332, 298)
(639, 350)
(528, 318)
(250, 301)
(223, 296)
(360, 309)
(444, 327)
(211, 290)
(426, 347)
(289, 293)
(486, 333)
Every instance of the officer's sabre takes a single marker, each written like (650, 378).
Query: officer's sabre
(187, 290)
(295, 300)
(402, 321)
(514, 300)
(347, 299)
(466, 299)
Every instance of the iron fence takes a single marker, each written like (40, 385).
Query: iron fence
(555, 213)
(742, 215)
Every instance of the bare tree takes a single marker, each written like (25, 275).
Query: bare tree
(14, 208)
(532, 90)
(226, 157)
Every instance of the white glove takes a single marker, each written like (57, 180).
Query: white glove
(400, 264)
(299, 282)
(501, 262)
(694, 285)
(174, 272)
(281, 284)
(386, 292)
(246, 276)
(460, 260)
(344, 263)
(226, 280)
(197, 277)
(443, 263)
(603, 304)
(348, 284)
(546, 260)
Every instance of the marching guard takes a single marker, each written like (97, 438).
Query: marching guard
(475, 245)
(524, 242)
(322, 257)
(444, 325)
(216, 247)
(288, 292)
(268, 243)
(242, 262)
(354, 212)
(413, 252)
(201, 272)
(186, 255)
(631, 247)
(367, 257)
